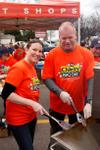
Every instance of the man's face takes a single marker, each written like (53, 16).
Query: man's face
(67, 39)
(96, 52)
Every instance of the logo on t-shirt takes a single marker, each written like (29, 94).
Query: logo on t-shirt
(70, 70)
(35, 84)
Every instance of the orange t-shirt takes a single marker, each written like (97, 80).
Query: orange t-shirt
(0, 62)
(23, 76)
(70, 72)
(10, 62)
(19, 54)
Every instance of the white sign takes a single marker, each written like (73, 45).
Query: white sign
(39, 34)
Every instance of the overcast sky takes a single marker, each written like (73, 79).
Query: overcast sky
(88, 6)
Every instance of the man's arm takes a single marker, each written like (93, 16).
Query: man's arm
(64, 96)
(52, 86)
(90, 90)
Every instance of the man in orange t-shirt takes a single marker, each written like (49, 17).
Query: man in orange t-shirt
(95, 48)
(66, 70)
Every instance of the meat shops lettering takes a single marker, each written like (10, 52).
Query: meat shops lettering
(41, 11)
(28, 10)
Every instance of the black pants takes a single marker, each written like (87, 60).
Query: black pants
(24, 135)
(54, 126)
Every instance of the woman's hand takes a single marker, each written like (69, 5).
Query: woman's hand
(39, 108)
(15, 98)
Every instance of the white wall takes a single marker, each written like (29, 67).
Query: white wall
(6, 39)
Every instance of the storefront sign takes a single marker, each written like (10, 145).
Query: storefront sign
(8, 10)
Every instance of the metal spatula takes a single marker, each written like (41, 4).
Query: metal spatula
(80, 118)
(62, 124)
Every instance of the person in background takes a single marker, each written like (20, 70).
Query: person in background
(21, 95)
(83, 43)
(95, 48)
(31, 38)
(66, 70)
(11, 48)
(6, 60)
(19, 53)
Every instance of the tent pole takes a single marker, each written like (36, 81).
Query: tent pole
(79, 34)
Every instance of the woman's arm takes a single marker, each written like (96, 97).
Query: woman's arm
(15, 98)
(8, 93)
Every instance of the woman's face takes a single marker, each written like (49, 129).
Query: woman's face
(34, 53)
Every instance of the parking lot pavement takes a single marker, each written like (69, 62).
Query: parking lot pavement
(40, 143)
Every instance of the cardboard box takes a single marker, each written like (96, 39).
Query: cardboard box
(3, 128)
(4, 133)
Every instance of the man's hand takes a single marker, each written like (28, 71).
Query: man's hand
(65, 97)
(87, 111)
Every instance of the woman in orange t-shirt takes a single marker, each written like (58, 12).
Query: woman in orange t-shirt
(21, 94)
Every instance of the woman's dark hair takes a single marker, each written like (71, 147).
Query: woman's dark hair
(34, 41)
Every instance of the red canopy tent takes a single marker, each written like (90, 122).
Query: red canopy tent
(45, 15)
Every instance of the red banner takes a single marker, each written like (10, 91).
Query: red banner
(11, 10)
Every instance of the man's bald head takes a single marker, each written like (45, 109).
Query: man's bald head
(67, 36)
(66, 26)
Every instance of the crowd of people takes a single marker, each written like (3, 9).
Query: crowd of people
(67, 73)
(10, 55)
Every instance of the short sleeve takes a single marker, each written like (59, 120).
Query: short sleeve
(48, 69)
(89, 63)
(15, 76)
